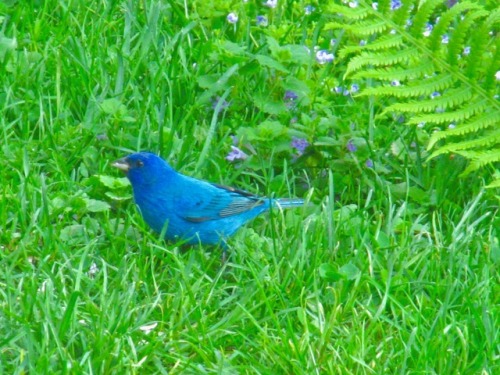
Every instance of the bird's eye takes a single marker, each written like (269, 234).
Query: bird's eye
(140, 164)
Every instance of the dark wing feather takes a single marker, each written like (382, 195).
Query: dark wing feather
(224, 202)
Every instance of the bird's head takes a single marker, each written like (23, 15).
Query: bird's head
(143, 168)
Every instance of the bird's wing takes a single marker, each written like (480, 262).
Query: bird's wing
(212, 202)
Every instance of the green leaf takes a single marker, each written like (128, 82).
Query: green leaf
(271, 63)
(113, 182)
(94, 205)
(350, 271)
(328, 272)
(113, 106)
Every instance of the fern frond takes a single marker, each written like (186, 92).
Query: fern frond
(425, 88)
(397, 73)
(357, 13)
(390, 41)
(488, 139)
(481, 122)
(448, 117)
(380, 59)
(453, 98)
(494, 184)
(361, 29)
(441, 71)
(479, 159)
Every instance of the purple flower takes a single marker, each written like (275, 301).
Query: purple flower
(362, 42)
(236, 154)
(338, 89)
(354, 88)
(262, 21)
(323, 56)
(396, 4)
(333, 42)
(369, 163)
(290, 96)
(299, 144)
(466, 51)
(395, 83)
(309, 9)
(445, 39)
(224, 104)
(232, 17)
(351, 147)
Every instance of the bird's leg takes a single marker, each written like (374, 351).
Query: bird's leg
(224, 255)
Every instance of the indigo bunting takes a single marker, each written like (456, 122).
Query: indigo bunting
(189, 209)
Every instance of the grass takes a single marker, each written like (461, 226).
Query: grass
(391, 269)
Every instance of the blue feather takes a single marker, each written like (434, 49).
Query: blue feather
(189, 209)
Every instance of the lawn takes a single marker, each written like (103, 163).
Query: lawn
(391, 266)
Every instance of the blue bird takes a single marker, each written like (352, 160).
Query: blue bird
(189, 209)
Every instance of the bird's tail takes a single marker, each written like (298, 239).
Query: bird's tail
(289, 202)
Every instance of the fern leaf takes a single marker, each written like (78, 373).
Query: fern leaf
(479, 159)
(449, 117)
(453, 98)
(441, 71)
(488, 139)
(427, 87)
(383, 43)
(474, 125)
(380, 59)
(357, 13)
(397, 73)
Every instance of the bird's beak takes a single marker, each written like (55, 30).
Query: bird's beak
(121, 164)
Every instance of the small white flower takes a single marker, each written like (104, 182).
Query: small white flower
(93, 269)
(309, 9)
(395, 83)
(428, 29)
(497, 75)
(466, 51)
(353, 4)
(148, 327)
(435, 94)
(421, 125)
(323, 56)
(452, 126)
(271, 3)
(362, 42)
(232, 18)
(375, 6)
